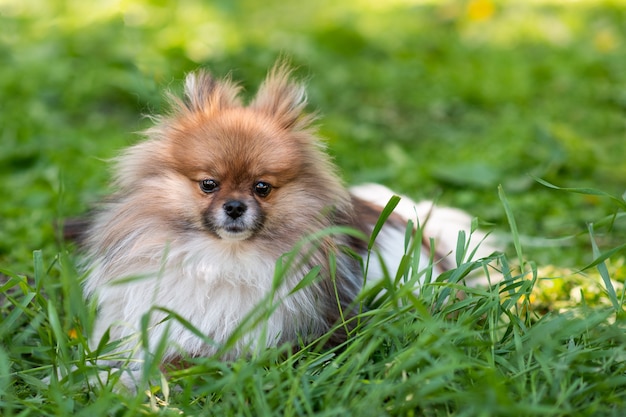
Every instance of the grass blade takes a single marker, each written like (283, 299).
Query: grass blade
(384, 215)
(598, 259)
(587, 191)
(603, 270)
(307, 280)
(460, 248)
(512, 224)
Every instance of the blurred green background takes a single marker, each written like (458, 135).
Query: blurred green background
(438, 99)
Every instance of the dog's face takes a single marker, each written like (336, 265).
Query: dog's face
(240, 164)
(234, 172)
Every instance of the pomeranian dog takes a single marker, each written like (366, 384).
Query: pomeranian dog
(206, 215)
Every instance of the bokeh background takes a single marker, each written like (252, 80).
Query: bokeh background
(438, 99)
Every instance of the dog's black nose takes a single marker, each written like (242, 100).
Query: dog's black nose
(235, 208)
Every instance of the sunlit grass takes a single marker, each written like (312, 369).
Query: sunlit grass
(491, 351)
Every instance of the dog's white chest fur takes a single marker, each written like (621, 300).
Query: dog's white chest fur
(214, 288)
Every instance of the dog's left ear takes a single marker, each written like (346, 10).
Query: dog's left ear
(282, 99)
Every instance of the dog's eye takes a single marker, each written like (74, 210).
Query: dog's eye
(208, 186)
(262, 189)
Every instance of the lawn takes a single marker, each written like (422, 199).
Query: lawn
(512, 110)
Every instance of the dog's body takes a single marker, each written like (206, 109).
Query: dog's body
(207, 206)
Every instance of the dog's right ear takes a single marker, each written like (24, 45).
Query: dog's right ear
(283, 99)
(204, 94)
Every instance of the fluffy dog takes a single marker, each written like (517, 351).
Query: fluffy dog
(217, 196)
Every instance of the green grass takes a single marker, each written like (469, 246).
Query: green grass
(515, 113)
(488, 353)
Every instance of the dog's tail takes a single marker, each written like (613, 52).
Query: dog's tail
(440, 225)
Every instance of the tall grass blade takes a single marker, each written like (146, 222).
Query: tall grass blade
(384, 215)
(512, 224)
(5, 372)
(62, 351)
(460, 248)
(587, 191)
(604, 256)
(307, 280)
(38, 269)
(603, 270)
